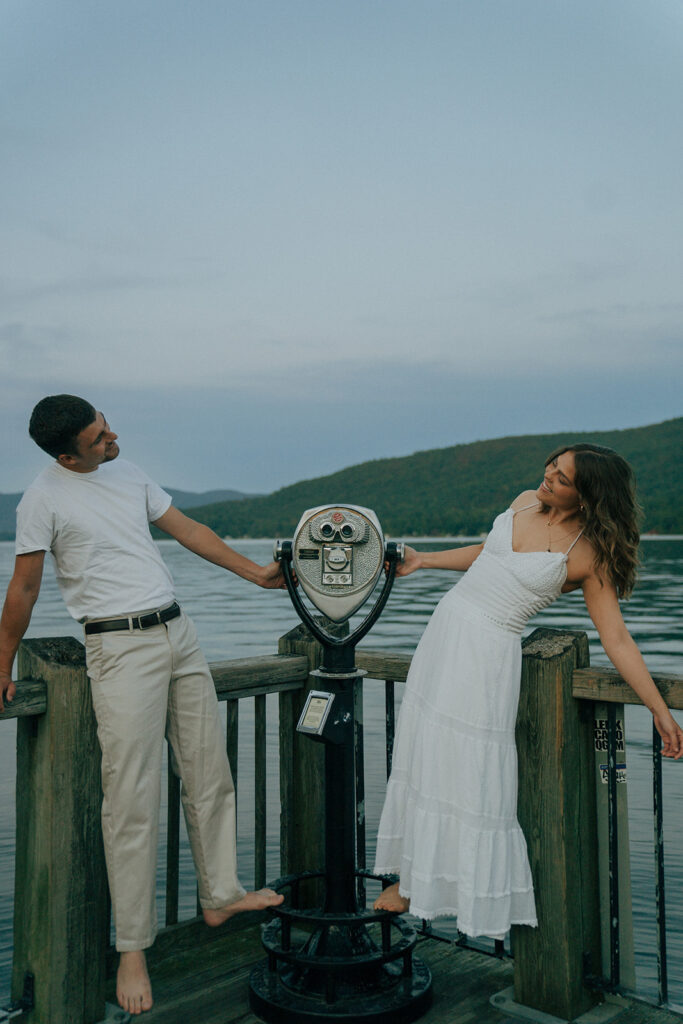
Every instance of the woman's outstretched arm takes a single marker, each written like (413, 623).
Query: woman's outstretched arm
(620, 647)
(457, 559)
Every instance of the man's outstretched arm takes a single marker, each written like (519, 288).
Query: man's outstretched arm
(22, 594)
(204, 542)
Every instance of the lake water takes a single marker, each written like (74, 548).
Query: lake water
(235, 619)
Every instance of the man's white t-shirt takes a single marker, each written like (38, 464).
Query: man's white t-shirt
(96, 527)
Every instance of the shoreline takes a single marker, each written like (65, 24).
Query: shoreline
(426, 539)
(474, 538)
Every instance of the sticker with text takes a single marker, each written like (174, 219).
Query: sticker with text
(621, 773)
(600, 734)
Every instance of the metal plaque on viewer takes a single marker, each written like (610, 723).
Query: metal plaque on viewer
(316, 710)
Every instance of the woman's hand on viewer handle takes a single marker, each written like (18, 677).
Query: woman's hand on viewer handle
(411, 562)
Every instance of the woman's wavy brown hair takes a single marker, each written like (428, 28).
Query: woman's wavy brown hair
(607, 489)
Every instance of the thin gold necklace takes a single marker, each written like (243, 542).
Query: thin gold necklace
(557, 539)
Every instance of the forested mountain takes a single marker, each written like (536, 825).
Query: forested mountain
(191, 499)
(446, 491)
(459, 490)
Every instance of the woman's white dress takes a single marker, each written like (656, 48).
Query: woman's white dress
(449, 825)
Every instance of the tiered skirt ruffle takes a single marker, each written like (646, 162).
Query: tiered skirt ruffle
(449, 825)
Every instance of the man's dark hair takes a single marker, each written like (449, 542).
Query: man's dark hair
(57, 421)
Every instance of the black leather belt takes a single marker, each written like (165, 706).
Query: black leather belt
(135, 621)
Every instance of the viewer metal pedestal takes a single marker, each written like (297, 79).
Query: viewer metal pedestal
(338, 962)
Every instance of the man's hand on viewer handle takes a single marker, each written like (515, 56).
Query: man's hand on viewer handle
(271, 577)
(7, 689)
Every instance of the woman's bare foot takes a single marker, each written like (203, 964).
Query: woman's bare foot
(391, 899)
(133, 987)
(259, 900)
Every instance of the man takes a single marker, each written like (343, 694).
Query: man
(148, 675)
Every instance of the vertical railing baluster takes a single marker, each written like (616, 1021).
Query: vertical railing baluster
(660, 903)
(615, 970)
(232, 725)
(260, 790)
(390, 720)
(360, 791)
(172, 844)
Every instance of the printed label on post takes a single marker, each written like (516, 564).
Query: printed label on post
(621, 773)
(600, 734)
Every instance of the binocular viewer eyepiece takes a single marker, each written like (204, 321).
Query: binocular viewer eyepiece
(338, 552)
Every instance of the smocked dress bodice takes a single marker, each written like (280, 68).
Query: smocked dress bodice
(509, 587)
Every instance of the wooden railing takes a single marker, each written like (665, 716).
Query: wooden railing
(609, 693)
(61, 919)
(561, 967)
(61, 927)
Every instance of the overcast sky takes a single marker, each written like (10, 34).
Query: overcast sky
(273, 238)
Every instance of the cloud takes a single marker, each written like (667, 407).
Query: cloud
(83, 286)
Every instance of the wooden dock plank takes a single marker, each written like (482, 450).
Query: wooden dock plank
(641, 1013)
(216, 989)
(212, 987)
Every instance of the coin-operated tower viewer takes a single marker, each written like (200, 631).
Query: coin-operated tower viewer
(339, 961)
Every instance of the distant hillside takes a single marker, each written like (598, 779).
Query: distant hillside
(460, 490)
(181, 499)
(190, 499)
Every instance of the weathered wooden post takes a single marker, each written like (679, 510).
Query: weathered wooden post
(302, 772)
(61, 919)
(557, 813)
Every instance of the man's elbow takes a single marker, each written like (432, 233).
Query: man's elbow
(23, 593)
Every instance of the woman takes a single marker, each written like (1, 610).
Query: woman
(449, 825)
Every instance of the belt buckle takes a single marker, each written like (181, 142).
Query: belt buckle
(154, 616)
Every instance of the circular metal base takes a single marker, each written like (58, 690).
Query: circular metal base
(391, 999)
(323, 673)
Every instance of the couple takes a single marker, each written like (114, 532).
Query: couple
(449, 826)
(148, 677)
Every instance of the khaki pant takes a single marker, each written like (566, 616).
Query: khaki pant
(146, 684)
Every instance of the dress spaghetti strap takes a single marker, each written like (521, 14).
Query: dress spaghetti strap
(524, 508)
(579, 534)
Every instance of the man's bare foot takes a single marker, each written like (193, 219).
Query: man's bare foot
(133, 988)
(391, 899)
(259, 900)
